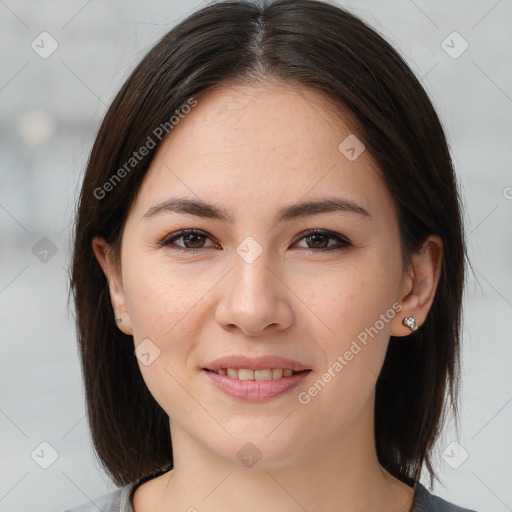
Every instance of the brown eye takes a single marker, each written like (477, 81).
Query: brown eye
(192, 239)
(319, 240)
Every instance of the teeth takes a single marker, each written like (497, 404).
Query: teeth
(277, 373)
(263, 374)
(246, 374)
(233, 373)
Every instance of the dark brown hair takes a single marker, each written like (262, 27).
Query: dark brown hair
(304, 43)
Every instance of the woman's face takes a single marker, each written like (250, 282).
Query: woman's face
(250, 284)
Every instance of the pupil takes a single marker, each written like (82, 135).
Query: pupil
(188, 237)
(316, 243)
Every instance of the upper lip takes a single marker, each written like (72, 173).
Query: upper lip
(255, 363)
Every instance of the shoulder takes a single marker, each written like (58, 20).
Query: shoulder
(424, 501)
(115, 501)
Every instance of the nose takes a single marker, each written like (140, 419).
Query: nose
(255, 300)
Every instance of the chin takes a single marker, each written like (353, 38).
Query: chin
(255, 450)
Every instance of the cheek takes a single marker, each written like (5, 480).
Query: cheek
(161, 298)
(350, 300)
(353, 312)
(165, 309)
(163, 316)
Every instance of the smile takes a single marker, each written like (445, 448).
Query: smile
(248, 374)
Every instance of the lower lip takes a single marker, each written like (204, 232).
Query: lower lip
(255, 390)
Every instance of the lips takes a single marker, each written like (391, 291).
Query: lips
(255, 379)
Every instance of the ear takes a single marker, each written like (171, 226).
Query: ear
(103, 254)
(419, 285)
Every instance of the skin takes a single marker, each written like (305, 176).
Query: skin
(252, 150)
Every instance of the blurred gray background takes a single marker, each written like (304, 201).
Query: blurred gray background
(61, 62)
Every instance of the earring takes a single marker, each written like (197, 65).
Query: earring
(410, 322)
(118, 319)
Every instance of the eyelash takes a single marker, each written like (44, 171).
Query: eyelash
(169, 240)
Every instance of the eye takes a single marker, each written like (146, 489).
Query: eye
(193, 239)
(317, 240)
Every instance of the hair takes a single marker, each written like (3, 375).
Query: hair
(306, 43)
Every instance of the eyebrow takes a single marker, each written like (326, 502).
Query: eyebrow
(202, 209)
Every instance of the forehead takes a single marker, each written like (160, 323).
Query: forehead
(270, 143)
(268, 118)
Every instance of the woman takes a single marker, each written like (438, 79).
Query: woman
(268, 270)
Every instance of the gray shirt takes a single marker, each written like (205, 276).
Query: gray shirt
(120, 501)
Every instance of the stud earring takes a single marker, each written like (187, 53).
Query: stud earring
(118, 319)
(410, 322)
